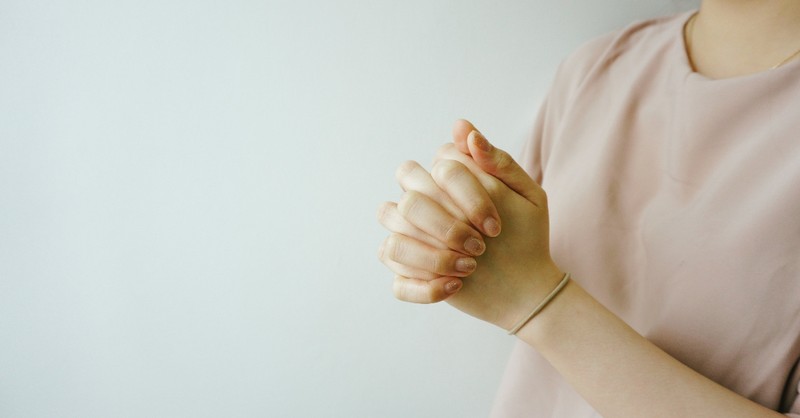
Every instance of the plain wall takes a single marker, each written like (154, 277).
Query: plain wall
(188, 193)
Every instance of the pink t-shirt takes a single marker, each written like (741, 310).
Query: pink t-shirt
(675, 201)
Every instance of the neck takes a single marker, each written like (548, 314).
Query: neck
(737, 37)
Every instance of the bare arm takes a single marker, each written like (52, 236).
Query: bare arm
(619, 372)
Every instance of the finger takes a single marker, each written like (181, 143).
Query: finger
(427, 215)
(394, 222)
(450, 152)
(410, 272)
(468, 193)
(496, 162)
(421, 291)
(501, 165)
(461, 129)
(391, 219)
(489, 182)
(415, 254)
(412, 176)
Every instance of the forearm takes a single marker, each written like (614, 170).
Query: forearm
(619, 372)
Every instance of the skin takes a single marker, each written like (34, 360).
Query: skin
(734, 38)
(619, 372)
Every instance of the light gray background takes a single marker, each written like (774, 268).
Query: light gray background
(188, 194)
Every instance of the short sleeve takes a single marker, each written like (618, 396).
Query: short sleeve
(531, 157)
(571, 74)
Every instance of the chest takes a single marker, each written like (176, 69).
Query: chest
(687, 225)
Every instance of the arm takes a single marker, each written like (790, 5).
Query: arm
(619, 372)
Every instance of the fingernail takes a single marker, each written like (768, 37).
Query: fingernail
(491, 227)
(465, 265)
(452, 286)
(474, 246)
(481, 142)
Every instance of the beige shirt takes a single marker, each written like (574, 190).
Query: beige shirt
(675, 201)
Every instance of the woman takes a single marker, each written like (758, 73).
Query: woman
(670, 153)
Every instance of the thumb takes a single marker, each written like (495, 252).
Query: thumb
(499, 164)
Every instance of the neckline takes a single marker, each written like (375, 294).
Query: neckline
(691, 73)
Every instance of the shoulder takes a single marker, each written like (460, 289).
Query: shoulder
(611, 59)
(601, 53)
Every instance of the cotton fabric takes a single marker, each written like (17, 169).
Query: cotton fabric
(675, 201)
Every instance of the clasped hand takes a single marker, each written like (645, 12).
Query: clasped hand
(474, 232)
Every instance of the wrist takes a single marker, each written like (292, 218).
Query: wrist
(540, 307)
(554, 324)
(528, 297)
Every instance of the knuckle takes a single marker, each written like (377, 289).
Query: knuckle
(405, 168)
(383, 211)
(455, 234)
(477, 209)
(435, 263)
(448, 170)
(494, 187)
(399, 289)
(393, 248)
(385, 248)
(408, 203)
(443, 262)
(425, 275)
(447, 152)
(444, 150)
(503, 161)
(405, 292)
(450, 231)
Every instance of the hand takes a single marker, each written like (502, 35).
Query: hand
(516, 270)
(586, 343)
(432, 243)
